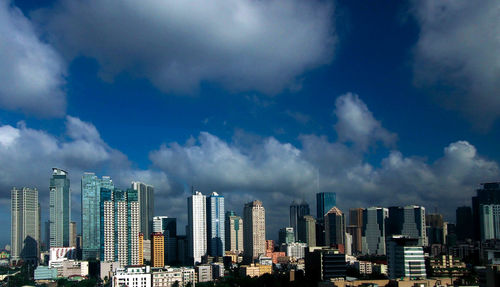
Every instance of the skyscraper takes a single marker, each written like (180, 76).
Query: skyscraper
(215, 224)
(488, 194)
(168, 227)
(489, 219)
(120, 226)
(197, 228)
(354, 228)
(25, 229)
(324, 202)
(145, 194)
(72, 234)
(234, 232)
(157, 249)
(307, 230)
(373, 231)
(436, 229)
(405, 257)
(334, 227)
(408, 221)
(60, 208)
(254, 230)
(297, 210)
(91, 219)
(286, 235)
(464, 223)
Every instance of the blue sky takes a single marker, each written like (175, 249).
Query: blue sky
(385, 102)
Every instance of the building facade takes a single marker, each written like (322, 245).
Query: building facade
(234, 232)
(408, 221)
(354, 228)
(91, 218)
(286, 235)
(145, 195)
(25, 225)
(157, 249)
(489, 220)
(197, 227)
(215, 225)
(373, 231)
(120, 227)
(307, 230)
(324, 202)
(405, 257)
(167, 226)
(60, 208)
(297, 210)
(254, 231)
(334, 227)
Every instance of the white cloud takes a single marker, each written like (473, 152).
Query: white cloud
(458, 55)
(31, 72)
(356, 124)
(244, 45)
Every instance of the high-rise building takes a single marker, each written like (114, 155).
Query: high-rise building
(215, 224)
(197, 228)
(489, 219)
(405, 257)
(234, 232)
(25, 229)
(157, 249)
(464, 222)
(436, 229)
(120, 226)
(373, 231)
(46, 235)
(286, 235)
(145, 193)
(307, 230)
(60, 208)
(167, 226)
(408, 221)
(354, 228)
(297, 210)
(488, 194)
(334, 227)
(324, 202)
(254, 230)
(91, 216)
(72, 234)
(141, 248)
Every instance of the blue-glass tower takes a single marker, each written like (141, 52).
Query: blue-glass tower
(60, 208)
(324, 202)
(215, 225)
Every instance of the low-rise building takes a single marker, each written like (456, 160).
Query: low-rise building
(405, 257)
(45, 273)
(217, 270)
(168, 277)
(132, 276)
(324, 264)
(296, 250)
(203, 273)
(364, 267)
(255, 270)
(447, 265)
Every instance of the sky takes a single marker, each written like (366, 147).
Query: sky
(383, 102)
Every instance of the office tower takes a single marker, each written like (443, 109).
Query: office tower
(373, 231)
(47, 235)
(254, 230)
(325, 264)
(334, 227)
(141, 248)
(234, 232)
(145, 194)
(167, 226)
(408, 221)
(72, 234)
(215, 224)
(464, 222)
(307, 230)
(197, 228)
(435, 229)
(120, 226)
(405, 257)
(489, 219)
(25, 229)
(60, 208)
(286, 235)
(157, 249)
(324, 202)
(297, 210)
(91, 216)
(488, 194)
(354, 228)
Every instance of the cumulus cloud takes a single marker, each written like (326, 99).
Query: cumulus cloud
(244, 45)
(458, 55)
(356, 124)
(31, 72)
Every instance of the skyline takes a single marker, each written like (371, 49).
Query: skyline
(374, 113)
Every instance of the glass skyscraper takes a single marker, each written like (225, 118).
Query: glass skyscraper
(324, 202)
(91, 222)
(145, 194)
(60, 208)
(168, 227)
(297, 210)
(373, 232)
(215, 224)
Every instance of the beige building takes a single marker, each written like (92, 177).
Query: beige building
(234, 233)
(72, 234)
(254, 230)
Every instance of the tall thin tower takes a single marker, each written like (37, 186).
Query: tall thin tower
(25, 228)
(197, 227)
(60, 208)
